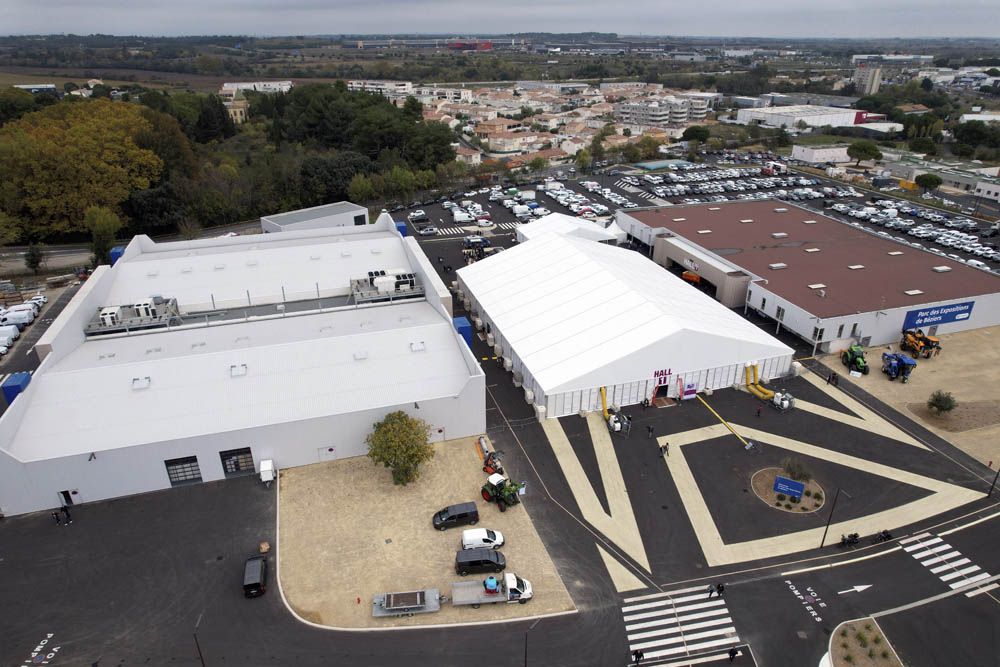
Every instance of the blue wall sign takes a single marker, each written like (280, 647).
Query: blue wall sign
(789, 487)
(928, 317)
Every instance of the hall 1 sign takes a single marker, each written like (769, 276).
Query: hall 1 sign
(789, 487)
(662, 376)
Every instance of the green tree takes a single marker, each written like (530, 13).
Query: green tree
(631, 153)
(583, 159)
(213, 121)
(922, 145)
(360, 189)
(927, 85)
(11, 228)
(627, 132)
(400, 181)
(863, 150)
(538, 164)
(413, 109)
(696, 133)
(34, 257)
(941, 401)
(14, 103)
(400, 442)
(103, 224)
(928, 182)
(649, 147)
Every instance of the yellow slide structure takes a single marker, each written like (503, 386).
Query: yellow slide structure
(604, 403)
(753, 386)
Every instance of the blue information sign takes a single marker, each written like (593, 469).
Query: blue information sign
(789, 487)
(928, 317)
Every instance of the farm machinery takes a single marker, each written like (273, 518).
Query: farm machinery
(897, 365)
(920, 344)
(854, 358)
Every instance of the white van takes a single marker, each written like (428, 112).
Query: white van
(27, 307)
(461, 216)
(6, 341)
(20, 318)
(10, 331)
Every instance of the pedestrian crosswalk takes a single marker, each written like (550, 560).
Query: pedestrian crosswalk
(508, 225)
(642, 194)
(622, 184)
(678, 623)
(944, 561)
(450, 231)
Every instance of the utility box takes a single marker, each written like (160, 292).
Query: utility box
(14, 385)
(116, 253)
(401, 228)
(464, 328)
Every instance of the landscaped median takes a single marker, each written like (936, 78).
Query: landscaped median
(347, 533)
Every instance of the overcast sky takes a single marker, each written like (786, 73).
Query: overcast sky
(763, 18)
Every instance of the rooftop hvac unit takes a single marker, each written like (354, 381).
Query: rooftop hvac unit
(372, 275)
(111, 316)
(146, 308)
(529, 396)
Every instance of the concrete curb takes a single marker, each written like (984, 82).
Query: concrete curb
(319, 626)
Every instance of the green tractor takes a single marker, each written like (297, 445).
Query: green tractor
(500, 490)
(854, 358)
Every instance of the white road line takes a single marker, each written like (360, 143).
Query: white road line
(926, 543)
(698, 661)
(960, 573)
(940, 559)
(660, 612)
(672, 601)
(839, 563)
(949, 566)
(970, 580)
(692, 647)
(971, 523)
(671, 620)
(670, 631)
(984, 589)
(653, 596)
(935, 550)
(685, 638)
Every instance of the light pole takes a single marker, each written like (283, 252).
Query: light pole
(993, 485)
(829, 519)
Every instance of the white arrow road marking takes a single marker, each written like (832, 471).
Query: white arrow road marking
(856, 589)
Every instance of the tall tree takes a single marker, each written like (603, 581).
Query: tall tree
(103, 225)
(928, 182)
(400, 442)
(863, 150)
(34, 257)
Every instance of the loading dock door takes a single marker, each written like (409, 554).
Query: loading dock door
(237, 462)
(183, 471)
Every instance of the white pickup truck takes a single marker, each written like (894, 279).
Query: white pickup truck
(511, 589)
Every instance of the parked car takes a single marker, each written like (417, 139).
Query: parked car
(482, 538)
(461, 514)
(255, 576)
(417, 216)
(429, 230)
(479, 561)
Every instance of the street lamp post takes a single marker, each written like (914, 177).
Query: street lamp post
(994, 484)
(829, 519)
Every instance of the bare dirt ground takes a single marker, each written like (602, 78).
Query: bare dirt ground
(347, 533)
(861, 644)
(968, 367)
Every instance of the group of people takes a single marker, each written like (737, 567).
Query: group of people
(60, 514)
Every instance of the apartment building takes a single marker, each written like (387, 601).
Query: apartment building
(661, 111)
(867, 78)
(389, 89)
(428, 93)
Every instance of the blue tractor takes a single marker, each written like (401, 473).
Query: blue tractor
(898, 365)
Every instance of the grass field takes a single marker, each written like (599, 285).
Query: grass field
(13, 78)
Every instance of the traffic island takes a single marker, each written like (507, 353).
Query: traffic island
(347, 534)
(812, 498)
(861, 644)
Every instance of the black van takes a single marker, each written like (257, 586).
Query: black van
(479, 561)
(456, 515)
(255, 576)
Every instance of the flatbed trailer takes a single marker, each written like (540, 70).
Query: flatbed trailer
(406, 603)
(510, 589)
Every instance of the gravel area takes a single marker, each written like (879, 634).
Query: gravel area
(347, 533)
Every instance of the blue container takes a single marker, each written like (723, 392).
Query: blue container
(464, 327)
(14, 385)
(401, 226)
(116, 253)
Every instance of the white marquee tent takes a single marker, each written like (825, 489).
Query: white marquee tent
(568, 225)
(570, 316)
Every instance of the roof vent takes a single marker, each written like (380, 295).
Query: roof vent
(152, 274)
(219, 267)
(376, 251)
(252, 262)
(780, 210)
(941, 269)
(345, 253)
(141, 383)
(186, 269)
(714, 208)
(360, 355)
(679, 219)
(704, 231)
(779, 235)
(855, 267)
(315, 257)
(808, 222)
(912, 292)
(237, 370)
(417, 346)
(817, 286)
(777, 265)
(896, 252)
(812, 249)
(746, 220)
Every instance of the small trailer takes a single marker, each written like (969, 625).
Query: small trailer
(407, 603)
(510, 589)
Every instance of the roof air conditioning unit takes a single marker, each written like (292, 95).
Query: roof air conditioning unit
(941, 269)
(779, 235)
(777, 265)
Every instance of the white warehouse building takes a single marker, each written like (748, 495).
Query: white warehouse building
(569, 316)
(790, 116)
(196, 360)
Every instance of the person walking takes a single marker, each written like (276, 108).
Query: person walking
(711, 589)
(637, 656)
(829, 378)
(758, 411)
(733, 653)
(719, 589)
(665, 449)
(649, 432)
(69, 517)
(55, 515)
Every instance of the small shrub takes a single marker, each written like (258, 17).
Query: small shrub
(941, 401)
(871, 653)
(788, 506)
(795, 469)
(804, 509)
(885, 655)
(793, 500)
(807, 493)
(843, 644)
(848, 657)
(868, 627)
(818, 496)
(781, 497)
(876, 640)
(777, 503)
(843, 633)
(862, 640)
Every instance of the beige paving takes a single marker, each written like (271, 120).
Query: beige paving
(347, 533)
(866, 419)
(944, 497)
(968, 366)
(620, 525)
(621, 577)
